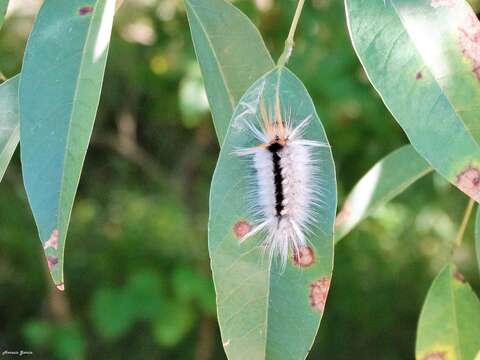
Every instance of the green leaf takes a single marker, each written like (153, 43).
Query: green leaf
(173, 323)
(112, 312)
(477, 236)
(145, 291)
(231, 53)
(38, 333)
(421, 56)
(189, 285)
(60, 88)
(449, 324)
(9, 122)
(3, 10)
(265, 313)
(385, 180)
(69, 341)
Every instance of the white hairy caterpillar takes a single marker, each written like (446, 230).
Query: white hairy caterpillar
(285, 187)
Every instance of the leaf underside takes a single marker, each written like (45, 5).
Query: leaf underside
(264, 313)
(62, 76)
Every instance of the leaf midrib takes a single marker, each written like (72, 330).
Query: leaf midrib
(454, 312)
(74, 105)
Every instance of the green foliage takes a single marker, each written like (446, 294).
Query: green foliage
(417, 56)
(138, 266)
(112, 312)
(173, 324)
(9, 124)
(145, 290)
(254, 295)
(477, 237)
(66, 340)
(450, 320)
(115, 310)
(59, 95)
(3, 10)
(145, 298)
(385, 180)
(231, 54)
(189, 286)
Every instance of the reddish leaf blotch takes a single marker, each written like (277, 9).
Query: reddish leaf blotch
(241, 228)
(84, 10)
(304, 257)
(469, 182)
(469, 39)
(319, 293)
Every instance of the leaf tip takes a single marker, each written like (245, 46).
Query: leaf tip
(60, 286)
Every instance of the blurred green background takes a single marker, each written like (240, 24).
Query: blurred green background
(138, 283)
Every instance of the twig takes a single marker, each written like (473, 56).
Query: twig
(58, 305)
(124, 142)
(289, 43)
(205, 342)
(463, 226)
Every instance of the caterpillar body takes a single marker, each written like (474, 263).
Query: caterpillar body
(284, 188)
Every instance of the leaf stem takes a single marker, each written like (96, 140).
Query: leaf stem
(463, 226)
(289, 43)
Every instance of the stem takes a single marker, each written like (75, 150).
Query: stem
(206, 340)
(289, 43)
(463, 226)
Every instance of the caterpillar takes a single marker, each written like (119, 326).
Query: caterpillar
(284, 190)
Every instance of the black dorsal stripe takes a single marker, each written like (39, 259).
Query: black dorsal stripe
(275, 148)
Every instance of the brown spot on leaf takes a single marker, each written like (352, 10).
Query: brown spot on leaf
(469, 182)
(52, 241)
(318, 293)
(419, 76)
(435, 356)
(469, 39)
(84, 10)
(443, 3)
(304, 257)
(60, 286)
(52, 261)
(241, 228)
(457, 275)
